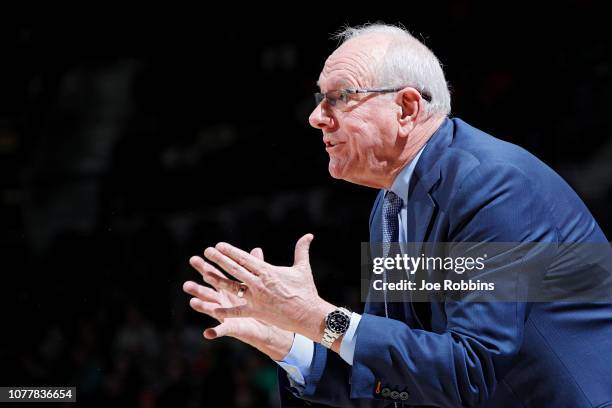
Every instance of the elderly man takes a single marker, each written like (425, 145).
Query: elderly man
(383, 111)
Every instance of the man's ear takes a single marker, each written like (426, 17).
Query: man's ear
(408, 99)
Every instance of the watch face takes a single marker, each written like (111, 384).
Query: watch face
(338, 322)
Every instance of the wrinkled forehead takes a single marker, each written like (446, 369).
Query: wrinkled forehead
(353, 64)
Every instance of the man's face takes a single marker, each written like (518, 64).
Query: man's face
(361, 135)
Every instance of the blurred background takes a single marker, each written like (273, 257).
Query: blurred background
(128, 146)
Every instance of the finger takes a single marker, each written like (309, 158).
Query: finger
(205, 307)
(213, 276)
(231, 267)
(236, 311)
(242, 258)
(215, 332)
(257, 253)
(202, 266)
(221, 283)
(302, 248)
(202, 292)
(205, 268)
(233, 328)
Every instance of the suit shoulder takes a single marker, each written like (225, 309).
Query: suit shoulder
(484, 148)
(477, 166)
(471, 148)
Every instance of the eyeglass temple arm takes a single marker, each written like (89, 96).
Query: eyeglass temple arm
(424, 94)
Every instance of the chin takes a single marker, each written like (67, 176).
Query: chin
(334, 174)
(335, 170)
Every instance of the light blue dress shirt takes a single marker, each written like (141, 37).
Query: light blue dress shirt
(298, 360)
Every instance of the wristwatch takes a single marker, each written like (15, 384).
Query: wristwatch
(336, 324)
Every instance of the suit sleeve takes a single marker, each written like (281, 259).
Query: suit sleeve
(462, 364)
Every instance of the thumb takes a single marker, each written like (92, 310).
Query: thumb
(257, 253)
(301, 250)
(219, 331)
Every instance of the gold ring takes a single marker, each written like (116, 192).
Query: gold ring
(241, 290)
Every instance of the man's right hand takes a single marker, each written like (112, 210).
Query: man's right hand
(270, 340)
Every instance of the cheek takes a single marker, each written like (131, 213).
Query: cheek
(361, 135)
(364, 145)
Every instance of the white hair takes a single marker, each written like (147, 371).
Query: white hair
(408, 62)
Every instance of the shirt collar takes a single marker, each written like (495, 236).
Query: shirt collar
(402, 181)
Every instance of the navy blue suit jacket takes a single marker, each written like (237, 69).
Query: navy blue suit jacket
(471, 187)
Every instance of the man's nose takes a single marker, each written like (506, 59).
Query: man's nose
(320, 118)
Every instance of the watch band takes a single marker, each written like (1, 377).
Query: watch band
(330, 336)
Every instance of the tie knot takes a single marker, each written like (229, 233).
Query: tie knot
(393, 200)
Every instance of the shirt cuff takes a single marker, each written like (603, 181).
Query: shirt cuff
(297, 363)
(347, 346)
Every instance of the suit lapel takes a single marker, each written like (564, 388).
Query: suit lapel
(421, 207)
(376, 219)
(420, 210)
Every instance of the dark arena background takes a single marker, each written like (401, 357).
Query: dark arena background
(126, 147)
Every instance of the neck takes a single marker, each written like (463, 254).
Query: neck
(419, 136)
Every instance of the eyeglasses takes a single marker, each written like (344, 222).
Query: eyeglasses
(341, 97)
